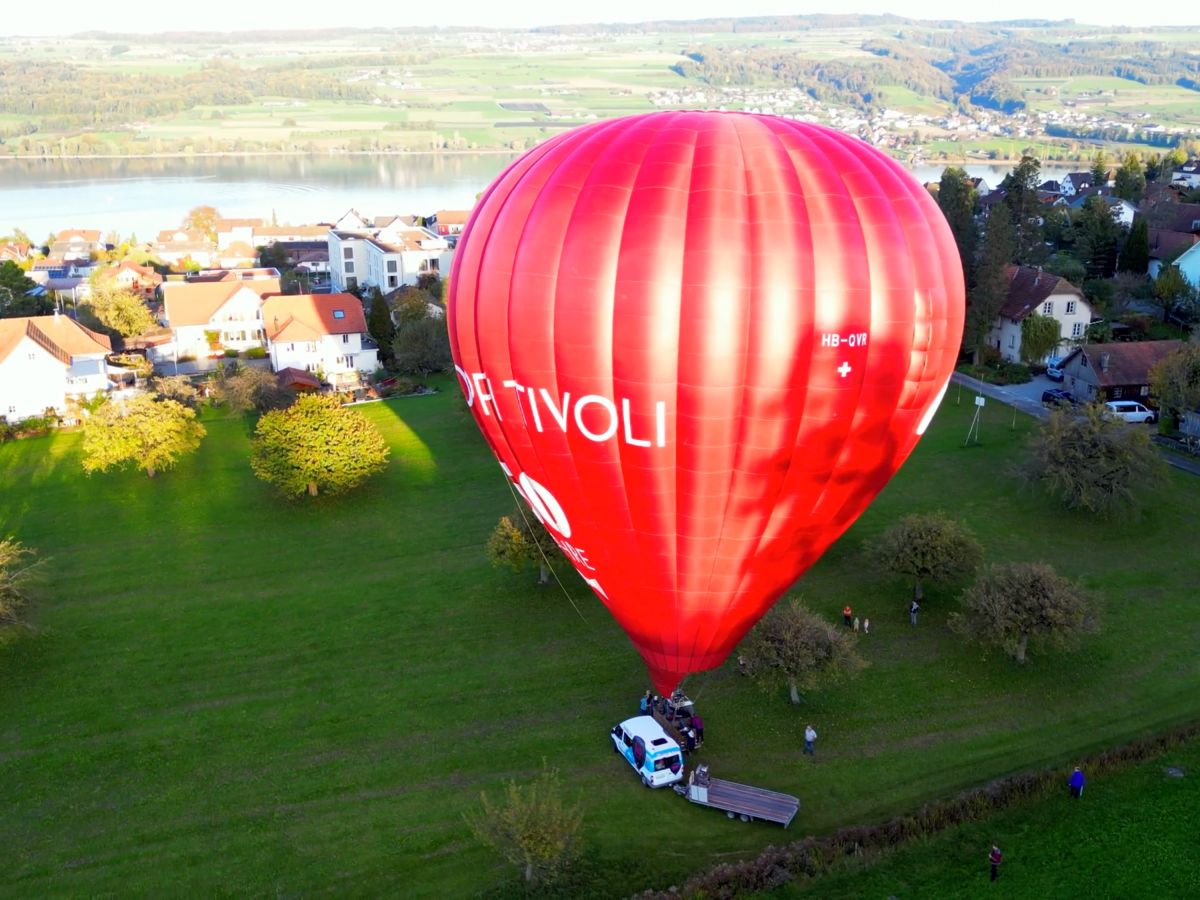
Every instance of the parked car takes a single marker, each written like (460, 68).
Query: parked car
(1054, 369)
(1057, 395)
(1130, 411)
(646, 747)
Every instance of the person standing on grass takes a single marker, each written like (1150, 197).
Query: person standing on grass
(698, 724)
(1076, 782)
(810, 735)
(913, 609)
(866, 626)
(847, 615)
(994, 860)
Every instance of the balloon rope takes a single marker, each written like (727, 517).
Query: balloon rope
(545, 559)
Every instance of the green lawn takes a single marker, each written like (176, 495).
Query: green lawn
(1130, 835)
(228, 693)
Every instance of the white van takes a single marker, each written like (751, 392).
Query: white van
(1130, 411)
(646, 747)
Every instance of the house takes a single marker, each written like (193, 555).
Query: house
(1188, 262)
(321, 333)
(351, 220)
(266, 235)
(14, 251)
(45, 362)
(1183, 217)
(129, 276)
(982, 189)
(1114, 371)
(1032, 290)
(448, 221)
(1166, 246)
(212, 316)
(256, 273)
(237, 255)
(1075, 182)
(232, 231)
(77, 244)
(1122, 210)
(178, 246)
(386, 258)
(1187, 175)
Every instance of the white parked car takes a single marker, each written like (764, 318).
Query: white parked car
(1130, 411)
(645, 746)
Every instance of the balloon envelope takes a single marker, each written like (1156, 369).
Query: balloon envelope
(699, 344)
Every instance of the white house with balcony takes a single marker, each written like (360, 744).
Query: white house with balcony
(387, 258)
(46, 362)
(325, 333)
(207, 318)
(1030, 290)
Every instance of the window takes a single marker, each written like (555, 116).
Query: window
(433, 265)
(667, 762)
(625, 738)
(349, 268)
(1077, 330)
(347, 253)
(1048, 308)
(33, 356)
(339, 314)
(1070, 307)
(1145, 391)
(1117, 394)
(391, 265)
(12, 409)
(345, 338)
(1012, 340)
(391, 281)
(351, 283)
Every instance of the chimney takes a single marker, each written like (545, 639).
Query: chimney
(1103, 362)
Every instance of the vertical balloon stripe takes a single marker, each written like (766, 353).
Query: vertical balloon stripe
(705, 341)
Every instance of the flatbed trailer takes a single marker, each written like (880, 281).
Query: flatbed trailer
(738, 800)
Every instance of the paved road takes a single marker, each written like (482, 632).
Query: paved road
(1028, 399)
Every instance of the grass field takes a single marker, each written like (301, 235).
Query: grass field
(1130, 835)
(228, 693)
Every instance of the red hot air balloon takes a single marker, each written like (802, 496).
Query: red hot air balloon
(699, 344)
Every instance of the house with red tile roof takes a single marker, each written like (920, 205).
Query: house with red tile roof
(386, 258)
(1167, 246)
(231, 231)
(208, 317)
(45, 362)
(14, 251)
(1114, 371)
(1032, 290)
(128, 275)
(176, 246)
(449, 221)
(324, 333)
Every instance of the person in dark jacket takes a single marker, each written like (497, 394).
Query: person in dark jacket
(994, 860)
(1076, 782)
(698, 724)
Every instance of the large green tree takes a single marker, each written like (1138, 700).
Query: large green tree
(316, 445)
(1097, 234)
(203, 218)
(1040, 335)
(250, 389)
(1099, 169)
(1135, 252)
(422, 347)
(956, 198)
(14, 299)
(1130, 182)
(991, 279)
(150, 433)
(119, 311)
(520, 540)
(1021, 198)
(381, 328)
(927, 547)
(1173, 293)
(1095, 463)
(18, 564)
(1013, 604)
(794, 647)
(1175, 381)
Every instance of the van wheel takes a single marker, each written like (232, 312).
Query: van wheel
(646, 782)
(1148, 419)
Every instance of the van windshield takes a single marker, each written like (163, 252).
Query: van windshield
(666, 762)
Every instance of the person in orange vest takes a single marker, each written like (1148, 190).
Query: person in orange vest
(848, 615)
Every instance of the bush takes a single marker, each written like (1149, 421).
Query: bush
(256, 353)
(999, 373)
(230, 353)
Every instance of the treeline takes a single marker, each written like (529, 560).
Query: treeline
(1119, 134)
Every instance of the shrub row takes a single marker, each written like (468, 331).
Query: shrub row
(814, 856)
(34, 426)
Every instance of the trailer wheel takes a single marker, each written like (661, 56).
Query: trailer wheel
(745, 818)
(731, 815)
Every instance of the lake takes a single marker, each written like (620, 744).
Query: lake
(144, 196)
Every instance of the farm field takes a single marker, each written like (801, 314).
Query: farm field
(228, 693)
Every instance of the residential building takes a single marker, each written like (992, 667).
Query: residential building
(209, 317)
(256, 273)
(1187, 175)
(128, 275)
(77, 244)
(385, 258)
(238, 255)
(1188, 262)
(1114, 371)
(1075, 183)
(266, 235)
(325, 333)
(1167, 246)
(1122, 210)
(14, 251)
(448, 221)
(45, 362)
(233, 231)
(1032, 290)
(179, 246)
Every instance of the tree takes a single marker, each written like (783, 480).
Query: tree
(1130, 182)
(928, 547)
(1040, 335)
(1021, 198)
(533, 827)
(203, 218)
(1094, 462)
(116, 309)
(795, 647)
(1097, 233)
(15, 301)
(176, 387)
(381, 328)
(143, 430)
(422, 347)
(957, 197)
(1175, 381)
(250, 389)
(411, 304)
(1015, 603)
(1173, 293)
(991, 279)
(316, 445)
(1099, 169)
(18, 565)
(520, 540)
(1067, 266)
(1135, 253)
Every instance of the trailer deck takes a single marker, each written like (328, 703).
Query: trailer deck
(740, 800)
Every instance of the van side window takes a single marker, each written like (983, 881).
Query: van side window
(627, 739)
